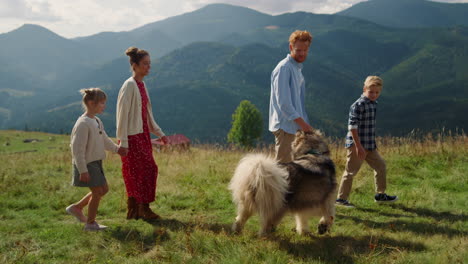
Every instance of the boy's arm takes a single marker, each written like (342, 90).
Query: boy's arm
(361, 152)
(355, 117)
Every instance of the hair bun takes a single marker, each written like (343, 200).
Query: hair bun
(87, 91)
(131, 51)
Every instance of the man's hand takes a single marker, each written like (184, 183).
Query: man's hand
(304, 126)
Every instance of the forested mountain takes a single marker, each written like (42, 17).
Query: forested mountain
(410, 13)
(219, 55)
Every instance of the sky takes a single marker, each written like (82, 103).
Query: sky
(75, 18)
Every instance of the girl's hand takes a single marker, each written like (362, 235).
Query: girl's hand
(122, 151)
(165, 140)
(84, 177)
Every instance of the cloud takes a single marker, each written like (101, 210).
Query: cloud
(284, 6)
(27, 10)
(72, 18)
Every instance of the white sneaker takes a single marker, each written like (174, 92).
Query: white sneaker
(73, 210)
(94, 226)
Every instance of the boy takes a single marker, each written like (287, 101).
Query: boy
(360, 144)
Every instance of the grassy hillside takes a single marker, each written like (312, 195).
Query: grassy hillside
(427, 225)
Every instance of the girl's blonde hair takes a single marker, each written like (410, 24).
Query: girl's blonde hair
(373, 81)
(92, 94)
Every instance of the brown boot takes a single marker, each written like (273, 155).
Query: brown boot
(132, 208)
(144, 212)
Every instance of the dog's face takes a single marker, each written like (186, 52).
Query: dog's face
(309, 141)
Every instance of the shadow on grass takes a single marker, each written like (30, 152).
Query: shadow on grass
(142, 241)
(421, 212)
(379, 212)
(439, 216)
(176, 225)
(160, 234)
(399, 225)
(341, 249)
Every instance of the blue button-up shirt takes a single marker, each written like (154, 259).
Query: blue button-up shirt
(287, 96)
(362, 115)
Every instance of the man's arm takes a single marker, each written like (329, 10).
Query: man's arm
(282, 92)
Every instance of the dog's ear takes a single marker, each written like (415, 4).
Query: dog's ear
(318, 132)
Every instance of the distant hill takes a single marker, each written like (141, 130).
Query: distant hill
(196, 85)
(410, 13)
(40, 53)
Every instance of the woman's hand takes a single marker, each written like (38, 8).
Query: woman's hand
(165, 140)
(84, 177)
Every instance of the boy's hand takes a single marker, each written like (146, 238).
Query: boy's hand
(84, 177)
(122, 151)
(361, 152)
(164, 140)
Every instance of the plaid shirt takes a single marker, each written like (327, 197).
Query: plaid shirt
(362, 115)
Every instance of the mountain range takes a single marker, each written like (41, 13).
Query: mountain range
(207, 61)
(410, 13)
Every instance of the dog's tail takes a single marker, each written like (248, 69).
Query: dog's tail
(260, 183)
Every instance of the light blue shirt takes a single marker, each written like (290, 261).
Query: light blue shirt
(287, 96)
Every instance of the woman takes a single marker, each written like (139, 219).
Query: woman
(134, 123)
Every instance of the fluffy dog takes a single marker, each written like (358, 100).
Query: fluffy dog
(305, 187)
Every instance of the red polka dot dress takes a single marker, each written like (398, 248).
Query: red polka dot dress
(139, 170)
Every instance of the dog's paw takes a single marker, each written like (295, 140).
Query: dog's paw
(236, 228)
(322, 229)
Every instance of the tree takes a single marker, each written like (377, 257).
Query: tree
(246, 125)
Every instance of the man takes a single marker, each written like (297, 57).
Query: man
(287, 108)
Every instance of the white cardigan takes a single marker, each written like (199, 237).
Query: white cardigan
(89, 142)
(128, 112)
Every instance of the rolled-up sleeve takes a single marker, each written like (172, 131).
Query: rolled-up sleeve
(123, 109)
(282, 92)
(355, 116)
(109, 145)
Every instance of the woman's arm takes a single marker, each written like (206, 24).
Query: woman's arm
(122, 114)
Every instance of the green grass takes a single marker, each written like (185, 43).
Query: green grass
(427, 225)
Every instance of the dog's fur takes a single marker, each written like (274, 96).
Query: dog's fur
(306, 186)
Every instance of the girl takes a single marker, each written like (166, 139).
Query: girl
(134, 123)
(88, 144)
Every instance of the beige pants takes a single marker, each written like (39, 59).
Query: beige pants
(283, 148)
(353, 164)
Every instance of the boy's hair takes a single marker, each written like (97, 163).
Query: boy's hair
(299, 35)
(373, 81)
(92, 94)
